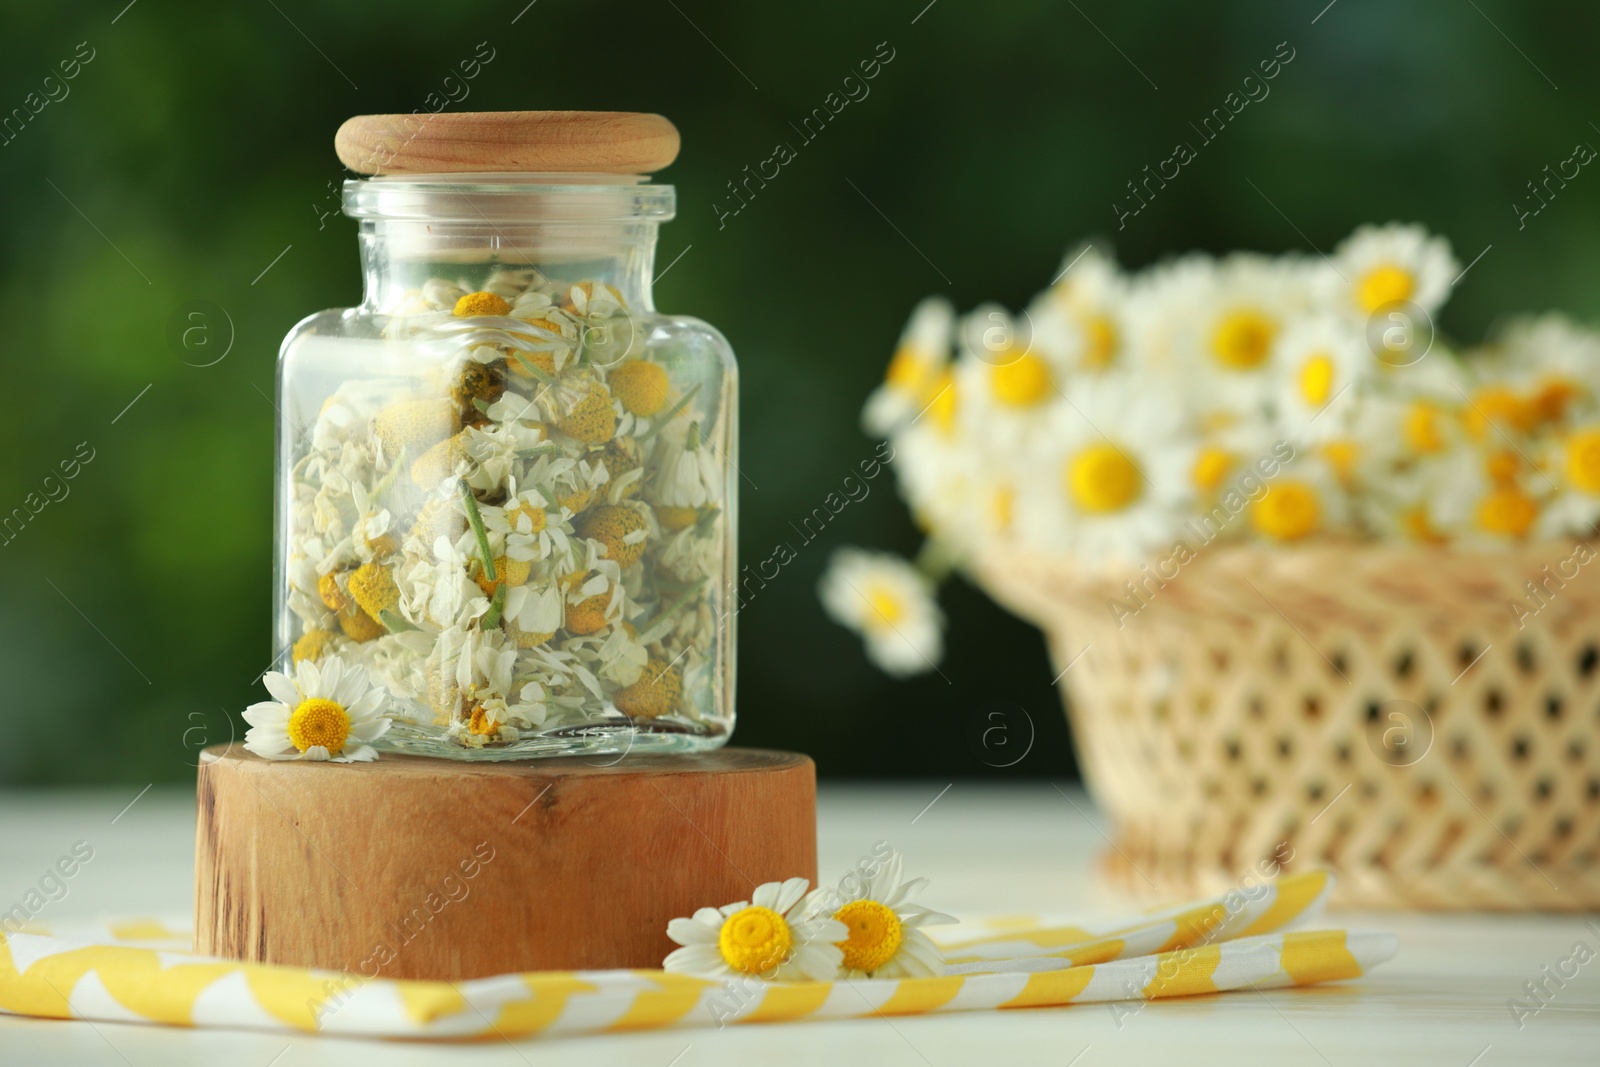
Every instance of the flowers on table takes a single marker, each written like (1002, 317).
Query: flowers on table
(867, 928)
(1129, 417)
(771, 936)
(885, 929)
(325, 711)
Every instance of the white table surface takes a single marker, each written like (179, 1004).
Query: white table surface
(988, 849)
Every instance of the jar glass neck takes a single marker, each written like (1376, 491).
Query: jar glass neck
(399, 257)
(462, 230)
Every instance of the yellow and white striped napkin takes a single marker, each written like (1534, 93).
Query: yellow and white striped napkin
(140, 972)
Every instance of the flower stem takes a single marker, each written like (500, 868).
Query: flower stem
(497, 604)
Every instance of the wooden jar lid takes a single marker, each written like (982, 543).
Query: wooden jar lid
(574, 142)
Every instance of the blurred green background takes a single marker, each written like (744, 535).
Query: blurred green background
(196, 145)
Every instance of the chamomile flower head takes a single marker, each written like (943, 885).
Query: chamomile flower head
(1232, 316)
(890, 604)
(1571, 471)
(1321, 363)
(1007, 385)
(325, 710)
(775, 935)
(1081, 318)
(885, 926)
(1379, 265)
(1552, 364)
(1111, 479)
(1492, 498)
(1305, 499)
(914, 371)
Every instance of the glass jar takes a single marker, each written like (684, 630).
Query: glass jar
(503, 480)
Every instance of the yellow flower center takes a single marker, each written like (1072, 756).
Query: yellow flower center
(1384, 284)
(886, 607)
(1501, 466)
(755, 940)
(1243, 339)
(535, 516)
(1316, 379)
(1496, 406)
(941, 402)
(1100, 342)
(875, 934)
(1583, 460)
(319, 722)
(1100, 479)
(1021, 382)
(1507, 511)
(908, 370)
(1210, 467)
(1422, 428)
(1288, 512)
(482, 723)
(1550, 402)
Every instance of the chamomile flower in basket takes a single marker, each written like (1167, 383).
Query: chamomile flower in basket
(1220, 472)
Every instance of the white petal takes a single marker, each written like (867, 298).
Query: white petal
(357, 754)
(316, 753)
(767, 894)
(362, 709)
(736, 906)
(282, 688)
(266, 713)
(332, 668)
(307, 677)
(690, 932)
(820, 963)
(370, 730)
(789, 894)
(904, 892)
(886, 879)
(696, 959)
(266, 748)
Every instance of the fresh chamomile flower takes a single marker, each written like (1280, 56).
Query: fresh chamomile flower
(1321, 361)
(1232, 318)
(772, 936)
(1081, 317)
(1574, 468)
(325, 711)
(890, 604)
(918, 363)
(1491, 497)
(1552, 363)
(886, 938)
(1306, 498)
(1008, 384)
(1380, 265)
(1111, 477)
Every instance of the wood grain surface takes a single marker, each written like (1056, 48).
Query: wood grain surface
(591, 142)
(420, 868)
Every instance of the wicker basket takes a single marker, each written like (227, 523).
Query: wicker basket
(1382, 710)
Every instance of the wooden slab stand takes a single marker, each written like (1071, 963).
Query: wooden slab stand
(420, 868)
